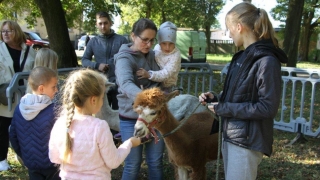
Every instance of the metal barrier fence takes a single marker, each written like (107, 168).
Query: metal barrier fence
(299, 101)
(300, 94)
(14, 92)
(193, 78)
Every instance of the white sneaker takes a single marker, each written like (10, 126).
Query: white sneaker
(4, 166)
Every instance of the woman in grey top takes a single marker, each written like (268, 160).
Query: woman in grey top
(128, 61)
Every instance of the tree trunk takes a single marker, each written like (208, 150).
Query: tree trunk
(208, 35)
(163, 13)
(292, 31)
(148, 9)
(54, 19)
(308, 29)
(305, 35)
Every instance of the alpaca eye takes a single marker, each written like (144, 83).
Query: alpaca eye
(153, 113)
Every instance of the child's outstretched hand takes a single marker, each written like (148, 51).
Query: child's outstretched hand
(136, 141)
(142, 73)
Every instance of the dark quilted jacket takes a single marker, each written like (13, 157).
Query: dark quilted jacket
(249, 105)
(30, 139)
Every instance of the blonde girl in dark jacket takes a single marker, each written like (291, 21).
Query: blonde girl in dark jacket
(251, 92)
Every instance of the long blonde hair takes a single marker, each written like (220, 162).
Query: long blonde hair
(47, 58)
(254, 18)
(79, 86)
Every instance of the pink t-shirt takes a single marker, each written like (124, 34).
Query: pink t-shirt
(93, 155)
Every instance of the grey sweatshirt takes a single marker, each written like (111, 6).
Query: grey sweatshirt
(103, 47)
(127, 62)
(31, 104)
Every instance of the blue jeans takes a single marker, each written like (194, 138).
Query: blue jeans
(154, 155)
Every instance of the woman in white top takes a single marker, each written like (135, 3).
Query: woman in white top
(15, 56)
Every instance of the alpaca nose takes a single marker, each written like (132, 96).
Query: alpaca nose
(138, 132)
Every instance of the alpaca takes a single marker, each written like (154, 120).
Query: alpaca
(180, 106)
(191, 146)
(108, 114)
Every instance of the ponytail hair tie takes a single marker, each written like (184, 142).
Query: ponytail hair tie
(258, 11)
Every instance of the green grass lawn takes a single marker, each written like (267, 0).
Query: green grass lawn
(297, 162)
(224, 59)
(219, 59)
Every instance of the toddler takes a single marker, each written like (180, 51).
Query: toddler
(167, 56)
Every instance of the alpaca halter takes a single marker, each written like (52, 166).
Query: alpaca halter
(156, 120)
(150, 128)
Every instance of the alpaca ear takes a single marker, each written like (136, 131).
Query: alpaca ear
(172, 95)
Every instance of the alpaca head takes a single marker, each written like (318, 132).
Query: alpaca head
(149, 105)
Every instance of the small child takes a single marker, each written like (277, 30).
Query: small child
(81, 143)
(32, 122)
(167, 57)
(47, 58)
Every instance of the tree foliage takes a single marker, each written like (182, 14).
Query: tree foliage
(196, 14)
(191, 14)
(11, 9)
(59, 15)
(78, 13)
(309, 24)
(279, 12)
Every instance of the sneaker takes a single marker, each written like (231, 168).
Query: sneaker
(4, 166)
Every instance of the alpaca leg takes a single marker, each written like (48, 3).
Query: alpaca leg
(198, 174)
(182, 173)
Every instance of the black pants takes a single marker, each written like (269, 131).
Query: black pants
(4, 136)
(44, 174)
(112, 98)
